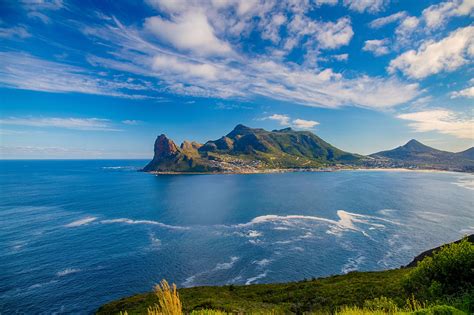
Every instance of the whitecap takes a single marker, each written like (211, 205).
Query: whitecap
(262, 263)
(188, 282)
(82, 221)
(352, 264)
(155, 242)
(227, 265)
(257, 277)
(465, 182)
(148, 222)
(67, 271)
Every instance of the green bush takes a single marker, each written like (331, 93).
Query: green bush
(439, 310)
(448, 273)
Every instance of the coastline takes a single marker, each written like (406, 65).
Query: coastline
(324, 170)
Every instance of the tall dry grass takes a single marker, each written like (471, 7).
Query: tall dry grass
(168, 300)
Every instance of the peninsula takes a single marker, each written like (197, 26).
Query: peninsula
(255, 150)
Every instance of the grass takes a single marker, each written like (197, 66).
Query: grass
(323, 295)
(442, 281)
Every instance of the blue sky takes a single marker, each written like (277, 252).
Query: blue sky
(101, 79)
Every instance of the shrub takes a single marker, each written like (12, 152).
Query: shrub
(449, 272)
(439, 310)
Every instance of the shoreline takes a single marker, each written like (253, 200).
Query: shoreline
(326, 170)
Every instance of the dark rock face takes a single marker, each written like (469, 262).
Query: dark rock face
(165, 147)
(166, 152)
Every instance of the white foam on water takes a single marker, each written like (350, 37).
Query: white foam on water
(67, 271)
(465, 182)
(155, 242)
(227, 265)
(188, 282)
(253, 233)
(147, 222)
(262, 263)
(257, 277)
(82, 221)
(347, 222)
(353, 264)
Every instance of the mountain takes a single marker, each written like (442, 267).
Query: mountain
(415, 154)
(246, 149)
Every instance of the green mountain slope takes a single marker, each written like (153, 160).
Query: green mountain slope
(247, 149)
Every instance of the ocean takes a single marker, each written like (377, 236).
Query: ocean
(75, 234)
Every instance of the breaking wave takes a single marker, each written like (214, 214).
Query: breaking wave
(82, 221)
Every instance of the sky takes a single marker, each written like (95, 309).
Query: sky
(101, 79)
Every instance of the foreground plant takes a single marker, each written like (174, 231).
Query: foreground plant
(168, 300)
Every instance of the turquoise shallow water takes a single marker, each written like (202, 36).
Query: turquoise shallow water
(77, 234)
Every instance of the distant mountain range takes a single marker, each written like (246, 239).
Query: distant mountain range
(415, 154)
(249, 150)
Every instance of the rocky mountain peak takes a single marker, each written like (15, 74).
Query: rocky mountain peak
(165, 147)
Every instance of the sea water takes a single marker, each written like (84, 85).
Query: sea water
(77, 234)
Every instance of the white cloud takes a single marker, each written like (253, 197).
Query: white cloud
(448, 54)
(380, 22)
(131, 122)
(468, 92)
(341, 57)
(23, 71)
(378, 47)
(437, 15)
(91, 124)
(442, 121)
(189, 31)
(406, 28)
(304, 124)
(372, 6)
(15, 32)
(165, 64)
(283, 120)
(332, 35)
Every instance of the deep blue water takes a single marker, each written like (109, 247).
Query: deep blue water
(77, 234)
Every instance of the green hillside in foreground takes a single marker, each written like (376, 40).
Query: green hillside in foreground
(442, 280)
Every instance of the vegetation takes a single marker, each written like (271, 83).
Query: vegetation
(439, 284)
(446, 276)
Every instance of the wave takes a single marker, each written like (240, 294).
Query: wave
(67, 271)
(148, 222)
(80, 222)
(262, 263)
(257, 277)
(227, 265)
(347, 222)
(465, 182)
(352, 264)
(119, 168)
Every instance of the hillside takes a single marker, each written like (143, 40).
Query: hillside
(247, 149)
(415, 154)
(315, 295)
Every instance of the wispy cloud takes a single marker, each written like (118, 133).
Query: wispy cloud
(285, 120)
(467, 92)
(14, 32)
(380, 22)
(131, 122)
(89, 124)
(23, 71)
(442, 121)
